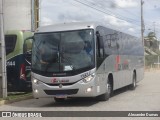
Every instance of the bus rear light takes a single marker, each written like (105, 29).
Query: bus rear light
(22, 72)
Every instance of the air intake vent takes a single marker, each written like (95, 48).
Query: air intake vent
(64, 92)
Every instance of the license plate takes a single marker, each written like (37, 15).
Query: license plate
(61, 96)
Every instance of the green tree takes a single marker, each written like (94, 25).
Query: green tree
(152, 36)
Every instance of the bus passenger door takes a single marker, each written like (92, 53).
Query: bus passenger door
(100, 52)
(100, 64)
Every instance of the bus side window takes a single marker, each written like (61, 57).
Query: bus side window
(10, 43)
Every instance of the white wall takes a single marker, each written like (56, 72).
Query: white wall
(17, 14)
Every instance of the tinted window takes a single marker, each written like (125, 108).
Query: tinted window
(110, 38)
(63, 52)
(10, 42)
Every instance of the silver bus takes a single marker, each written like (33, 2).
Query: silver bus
(84, 59)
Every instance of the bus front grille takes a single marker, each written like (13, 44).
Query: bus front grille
(64, 84)
(63, 92)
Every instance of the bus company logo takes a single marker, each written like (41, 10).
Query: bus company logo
(54, 80)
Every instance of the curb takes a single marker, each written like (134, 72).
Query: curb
(2, 102)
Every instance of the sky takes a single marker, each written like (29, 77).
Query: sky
(123, 15)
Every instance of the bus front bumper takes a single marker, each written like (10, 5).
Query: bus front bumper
(79, 89)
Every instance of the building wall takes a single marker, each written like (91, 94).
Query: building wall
(17, 15)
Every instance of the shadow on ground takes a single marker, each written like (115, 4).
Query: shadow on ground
(70, 102)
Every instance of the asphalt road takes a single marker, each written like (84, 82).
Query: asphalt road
(146, 97)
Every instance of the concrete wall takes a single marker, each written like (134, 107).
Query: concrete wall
(17, 14)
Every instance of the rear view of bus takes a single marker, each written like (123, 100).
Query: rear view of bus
(18, 62)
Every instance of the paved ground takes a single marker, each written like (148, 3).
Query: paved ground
(146, 97)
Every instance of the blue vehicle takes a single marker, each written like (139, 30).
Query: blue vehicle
(18, 61)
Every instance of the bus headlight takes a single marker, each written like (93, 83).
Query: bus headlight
(89, 78)
(35, 81)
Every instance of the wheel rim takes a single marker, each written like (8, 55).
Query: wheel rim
(134, 81)
(109, 88)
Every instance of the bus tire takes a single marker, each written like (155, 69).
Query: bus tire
(59, 99)
(109, 91)
(133, 85)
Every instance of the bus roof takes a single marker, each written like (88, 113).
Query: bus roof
(73, 26)
(67, 26)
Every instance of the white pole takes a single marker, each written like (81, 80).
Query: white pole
(158, 62)
(142, 30)
(142, 22)
(40, 13)
(32, 16)
(4, 77)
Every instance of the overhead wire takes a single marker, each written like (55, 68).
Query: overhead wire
(105, 12)
(120, 16)
(108, 12)
(123, 9)
(117, 15)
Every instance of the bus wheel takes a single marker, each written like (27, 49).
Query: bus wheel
(109, 91)
(59, 99)
(133, 85)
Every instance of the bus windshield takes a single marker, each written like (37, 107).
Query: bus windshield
(63, 52)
